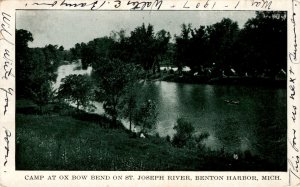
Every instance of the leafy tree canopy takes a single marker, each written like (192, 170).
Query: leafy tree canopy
(77, 89)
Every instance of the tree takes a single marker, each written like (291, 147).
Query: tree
(95, 50)
(147, 48)
(130, 108)
(40, 77)
(146, 116)
(263, 43)
(61, 48)
(76, 52)
(162, 39)
(77, 89)
(142, 42)
(53, 57)
(23, 66)
(182, 47)
(184, 132)
(122, 48)
(199, 49)
(222, 37)
(129, 102)
(36, 69)
(113, 78)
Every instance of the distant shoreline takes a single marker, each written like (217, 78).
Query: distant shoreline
(188, 78)
(230, 80)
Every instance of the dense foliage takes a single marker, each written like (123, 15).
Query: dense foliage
(258, 49)
(121, 61)
(113, 79)
(36, 69)
(184, 132)
(121, 64)
(77, 89)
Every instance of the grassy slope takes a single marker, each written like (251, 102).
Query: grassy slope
(59, 142)
(62, 142)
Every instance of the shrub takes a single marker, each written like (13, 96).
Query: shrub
(184, 132)
(147, 116)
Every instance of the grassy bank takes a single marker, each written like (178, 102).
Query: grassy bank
(47, 142)
(83, 142)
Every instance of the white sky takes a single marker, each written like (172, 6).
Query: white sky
(67, 28)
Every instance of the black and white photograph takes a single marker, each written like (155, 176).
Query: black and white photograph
(151, 90)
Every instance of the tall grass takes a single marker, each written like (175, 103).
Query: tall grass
(51, 142)
(84, 142)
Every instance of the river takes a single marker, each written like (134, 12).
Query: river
(237, 118)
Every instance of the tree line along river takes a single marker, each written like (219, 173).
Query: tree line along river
(237, 118)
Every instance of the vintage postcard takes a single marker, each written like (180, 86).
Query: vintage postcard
(149, 93)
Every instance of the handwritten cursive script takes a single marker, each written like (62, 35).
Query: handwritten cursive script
(7, 93)
(6, 139)
(93, 6)
(264, 4)
(8, 65)
(294, 157)
(141, 5)
(6, 38)
(5, 25)
(293, 54)
(132, 5)
(293, 143)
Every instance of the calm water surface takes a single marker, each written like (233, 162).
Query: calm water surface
(257, 124)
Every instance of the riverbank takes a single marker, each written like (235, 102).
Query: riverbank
(190, 78)
(228, 80)
(56, 141)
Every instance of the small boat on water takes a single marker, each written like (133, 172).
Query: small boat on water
(235, 102)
